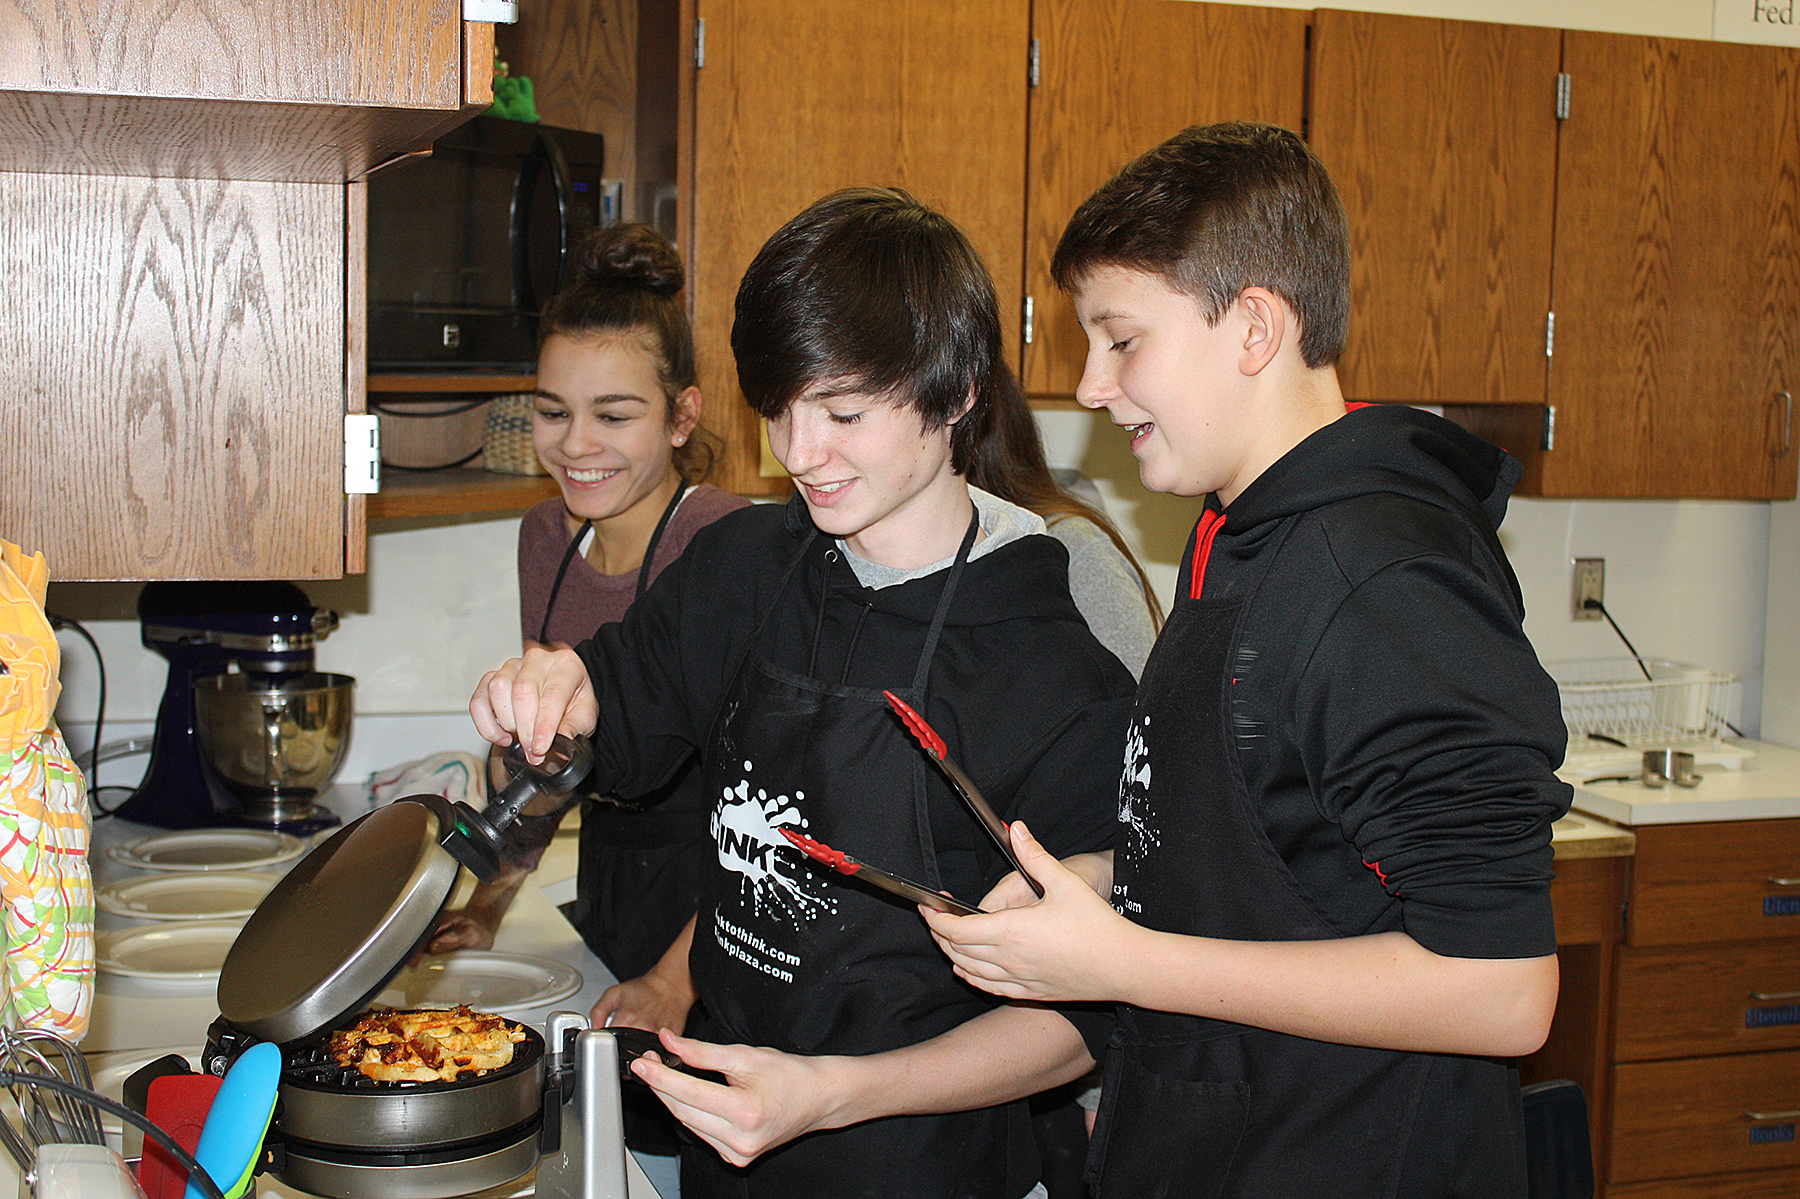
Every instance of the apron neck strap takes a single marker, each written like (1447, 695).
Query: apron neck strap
(562, 570)
(643, 578)
(951, 578)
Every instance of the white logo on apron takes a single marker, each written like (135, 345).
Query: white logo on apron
(1134, 795)
(746, 827)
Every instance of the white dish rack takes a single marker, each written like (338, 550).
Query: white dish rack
(1608, 700)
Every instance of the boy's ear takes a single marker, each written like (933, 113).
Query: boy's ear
(968, 403)
(1265, 328)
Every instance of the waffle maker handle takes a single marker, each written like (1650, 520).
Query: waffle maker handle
(475, 839)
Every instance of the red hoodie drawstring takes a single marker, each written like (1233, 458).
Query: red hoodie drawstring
(1210, 523)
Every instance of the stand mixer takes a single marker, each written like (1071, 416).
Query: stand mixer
(247, 732)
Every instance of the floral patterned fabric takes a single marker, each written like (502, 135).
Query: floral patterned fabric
(44, 881)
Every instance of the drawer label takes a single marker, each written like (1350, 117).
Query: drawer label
(1772, 1017)
(1769, 1134)
(1781, 905)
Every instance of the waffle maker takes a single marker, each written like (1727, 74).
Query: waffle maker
(324, 943)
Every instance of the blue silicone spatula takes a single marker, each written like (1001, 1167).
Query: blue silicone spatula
(238, 1120)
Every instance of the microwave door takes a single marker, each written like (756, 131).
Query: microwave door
(542, 226)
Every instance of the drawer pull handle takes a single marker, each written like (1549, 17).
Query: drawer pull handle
(1767, 996)
(1776, 880)
(1790, 1114)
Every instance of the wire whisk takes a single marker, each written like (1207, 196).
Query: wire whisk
(40, 1116)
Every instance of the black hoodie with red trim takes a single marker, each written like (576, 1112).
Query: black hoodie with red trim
(1388, 713)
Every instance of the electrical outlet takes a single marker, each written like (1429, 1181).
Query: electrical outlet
(1589, 583)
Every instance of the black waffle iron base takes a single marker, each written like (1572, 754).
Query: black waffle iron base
(324, 942)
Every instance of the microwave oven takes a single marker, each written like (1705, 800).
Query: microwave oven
(466, 244)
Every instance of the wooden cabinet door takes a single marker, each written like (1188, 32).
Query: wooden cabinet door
(798, 99)
(1677, 275)
(1441, 136)
(173, 361)
(1116, 77)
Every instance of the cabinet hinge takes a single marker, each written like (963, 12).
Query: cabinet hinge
(1549, 335)
(1032, 61)
(1562, 95)
(1548, 440)
(362, 453)
(497, 12)
(1030, 329)
(699, 42)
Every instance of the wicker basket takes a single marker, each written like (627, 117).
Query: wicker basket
(506, 447)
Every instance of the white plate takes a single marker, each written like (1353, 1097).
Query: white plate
(483, 979)
(212, 895)
(209, 849)
(188, 950)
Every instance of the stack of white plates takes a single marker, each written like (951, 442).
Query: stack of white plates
(201, 887)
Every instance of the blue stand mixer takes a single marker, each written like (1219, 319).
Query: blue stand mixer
(247, 732)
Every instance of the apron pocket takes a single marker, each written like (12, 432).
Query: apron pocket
(1141, 1153)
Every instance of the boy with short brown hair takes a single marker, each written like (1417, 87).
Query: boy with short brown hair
(1330, 910)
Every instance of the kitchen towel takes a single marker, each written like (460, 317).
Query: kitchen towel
(48, 893)
(454, 775)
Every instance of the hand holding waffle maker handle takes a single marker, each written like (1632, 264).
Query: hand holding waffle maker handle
(474, 838)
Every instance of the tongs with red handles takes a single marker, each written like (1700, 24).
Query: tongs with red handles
(843, 863)
(940, 753)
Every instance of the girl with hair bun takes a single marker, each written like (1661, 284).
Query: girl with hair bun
(615, 420)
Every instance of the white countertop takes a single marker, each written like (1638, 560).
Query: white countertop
(1765, 787)
(132, 1015)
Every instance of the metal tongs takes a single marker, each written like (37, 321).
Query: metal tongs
(887, 880)
(934, 745)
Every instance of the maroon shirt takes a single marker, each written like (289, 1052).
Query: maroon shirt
(589, 599)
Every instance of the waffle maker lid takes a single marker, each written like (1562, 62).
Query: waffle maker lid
(341, 924)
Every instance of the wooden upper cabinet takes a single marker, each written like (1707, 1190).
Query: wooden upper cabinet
(1441, 137)
(798, 99)
(273, 90)
(1116, 77)
(181, 332)
(172, 359)
(1677, 284)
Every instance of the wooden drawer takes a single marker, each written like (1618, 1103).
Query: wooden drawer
(1759, 1184)
(1736, 880)
(1690, 1117)
(1677, 1001)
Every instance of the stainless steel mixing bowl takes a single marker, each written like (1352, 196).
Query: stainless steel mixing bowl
(274, 741)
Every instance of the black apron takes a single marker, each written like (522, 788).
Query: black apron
(792, 956)
(1200, 1107)
(639, 864)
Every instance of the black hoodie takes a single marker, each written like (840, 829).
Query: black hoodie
(1032, 706)
(1388, 713)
